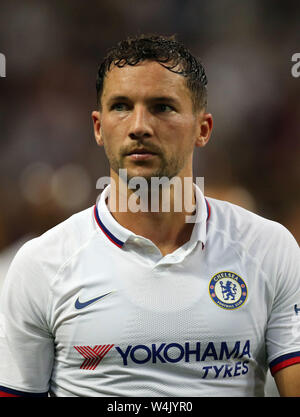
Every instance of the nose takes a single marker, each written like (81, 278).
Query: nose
(140, 126)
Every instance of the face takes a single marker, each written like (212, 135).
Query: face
(147, 124)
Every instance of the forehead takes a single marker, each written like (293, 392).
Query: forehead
(148, 78)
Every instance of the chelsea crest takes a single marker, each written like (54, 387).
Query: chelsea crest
(228, 290)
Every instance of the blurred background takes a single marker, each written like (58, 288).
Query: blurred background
(49, 160)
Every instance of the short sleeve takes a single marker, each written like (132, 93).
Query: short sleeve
(26, 345)
(283, 329)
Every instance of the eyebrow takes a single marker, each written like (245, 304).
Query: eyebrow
(117, 98)
(168, 99)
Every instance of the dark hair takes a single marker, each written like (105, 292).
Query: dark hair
(165, 50)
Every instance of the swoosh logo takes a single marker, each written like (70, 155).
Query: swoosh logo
(79, 305)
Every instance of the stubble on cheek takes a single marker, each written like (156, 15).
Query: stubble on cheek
(167, 166)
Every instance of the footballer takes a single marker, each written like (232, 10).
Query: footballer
(145, 303)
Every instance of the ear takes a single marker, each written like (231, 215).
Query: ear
(96, 117)
(205, 124)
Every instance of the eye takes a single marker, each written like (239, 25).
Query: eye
(119, 107)
(163, 108)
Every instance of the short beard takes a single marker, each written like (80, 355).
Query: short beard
(167, 170)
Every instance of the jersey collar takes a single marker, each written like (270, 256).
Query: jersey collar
(118, 234)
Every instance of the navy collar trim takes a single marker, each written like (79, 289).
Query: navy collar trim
(110, 236)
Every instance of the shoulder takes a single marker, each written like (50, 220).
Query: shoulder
(50, 250)
(31, 279)
(246, 228)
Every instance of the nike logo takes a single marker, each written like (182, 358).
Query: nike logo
(79, 305)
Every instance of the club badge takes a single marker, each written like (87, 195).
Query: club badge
(228, 290)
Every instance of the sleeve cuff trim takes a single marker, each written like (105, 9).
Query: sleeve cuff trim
(283, 361)
(8, 392)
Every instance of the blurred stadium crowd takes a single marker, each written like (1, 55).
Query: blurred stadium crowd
(49, 161)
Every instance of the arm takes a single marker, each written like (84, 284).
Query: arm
(288, 381)
(283, 329)
(26, 345)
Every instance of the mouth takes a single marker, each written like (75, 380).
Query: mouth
(140, 154)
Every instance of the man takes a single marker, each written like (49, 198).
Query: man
(123, 302)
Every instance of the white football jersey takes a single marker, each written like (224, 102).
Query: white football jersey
(91, 309)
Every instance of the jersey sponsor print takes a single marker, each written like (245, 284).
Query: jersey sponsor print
(235, 360)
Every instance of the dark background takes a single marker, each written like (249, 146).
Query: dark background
(49, 161)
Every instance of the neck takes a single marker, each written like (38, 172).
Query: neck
(157, 213)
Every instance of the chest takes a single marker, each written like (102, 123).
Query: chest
(122, 306)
